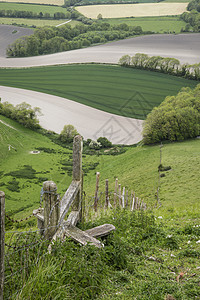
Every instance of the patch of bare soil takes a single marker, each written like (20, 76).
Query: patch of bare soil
(9, 33)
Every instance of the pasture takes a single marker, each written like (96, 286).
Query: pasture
(47, 2)
(31, 7)
(34, 22)
(132, 10)
(155, 24)
(121, 91)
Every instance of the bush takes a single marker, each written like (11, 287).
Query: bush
(176, 118)
(105, 143)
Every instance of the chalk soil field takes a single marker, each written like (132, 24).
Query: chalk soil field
(9, 34)
(133, 10)
(91, 123)
(184, 47)
(48, 2)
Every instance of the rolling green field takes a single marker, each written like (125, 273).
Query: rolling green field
(34, 22)
(32, 7)
(122, 91)
(136, 169)
(155, 24)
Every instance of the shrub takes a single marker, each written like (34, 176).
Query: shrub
(105, 143)
(176, 118)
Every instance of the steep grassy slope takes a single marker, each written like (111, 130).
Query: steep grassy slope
(122, 91)
(137, 169)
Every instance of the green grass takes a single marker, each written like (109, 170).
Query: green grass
(155, 24)
(34, 22)
(32, 7)
(137, 169)
(118, 90)
(48, 166)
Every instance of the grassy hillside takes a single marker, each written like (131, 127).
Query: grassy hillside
(22, 188)
(122, 91)
(146, 258)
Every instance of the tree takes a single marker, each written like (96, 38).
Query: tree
(176, 118)
(68, 133)
(99, 17)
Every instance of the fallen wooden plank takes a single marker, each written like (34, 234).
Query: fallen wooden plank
(68, 199)
(80, 236)
(101, 230)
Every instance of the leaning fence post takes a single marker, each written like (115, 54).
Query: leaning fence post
(96, 191)
(2, 242)
(51, 209)
(77, 168)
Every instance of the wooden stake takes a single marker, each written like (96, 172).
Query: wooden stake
(107, 197)
(120, 197)
(133, 203)
(77, 168)
(123, 196)
(51, 209)
(2, 242)
(96, 191)
(127, 199)
(115, 193)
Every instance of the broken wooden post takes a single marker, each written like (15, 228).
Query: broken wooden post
(96, 191)
(51, 209)
(2, 242)
(115, 193)
(77, 168)
(107, 197)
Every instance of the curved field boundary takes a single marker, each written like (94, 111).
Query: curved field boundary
(132, 10)
(47, 2)
(184, 47)
(91, 123)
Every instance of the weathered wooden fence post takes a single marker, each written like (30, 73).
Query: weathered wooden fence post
(51, 209)
(107, 197)
(115, 193)
(96, 191)
(2, 242)
(77, 169)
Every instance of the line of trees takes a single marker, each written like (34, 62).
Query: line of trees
(176, 118)
(22, 113)
(47, 40)
(192, 18)
(33, 15)
(161, 64)
(87, 2)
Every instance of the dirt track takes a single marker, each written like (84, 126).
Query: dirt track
(91, 123)
(184, 47)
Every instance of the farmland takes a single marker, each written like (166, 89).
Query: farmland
(34, 22)
(32, 7)
(133, 10)
(154, 24)
(107, 88)
(47, 2)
